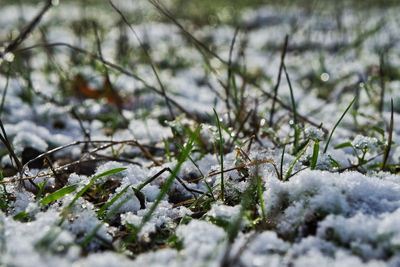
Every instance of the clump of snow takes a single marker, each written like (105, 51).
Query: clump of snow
(311, 195)
(363, 232)
(22, 201)
(201, 241)
(82, 219)
(25, 139)
(159, 258)
(262, 249)
(26, 239)
(128, 201)
(223, 212)
(106, 259)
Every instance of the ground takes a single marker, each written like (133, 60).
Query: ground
(160, 133)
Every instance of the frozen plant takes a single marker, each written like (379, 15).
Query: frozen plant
(364, 142)
(314, 133)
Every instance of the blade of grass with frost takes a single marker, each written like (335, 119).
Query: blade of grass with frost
(294, 162)
(221, 153)
(296, 128)
(201, 173)
(58, 194)
(167, 150)
(260, 196)
(41, 186)
(167, 183)
(230, 134)
(223, 127)
(337, 123)
(314, 158)
(3, 185)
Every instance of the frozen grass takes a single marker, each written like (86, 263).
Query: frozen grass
(133, 133)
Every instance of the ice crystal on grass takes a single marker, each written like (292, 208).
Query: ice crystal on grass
(364, 142)
(314, 133)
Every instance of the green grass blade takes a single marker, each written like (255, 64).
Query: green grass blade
(260, 196)
(112, 201)
(41, 186)
(342, 145)
(289, 172)
(234, 138)
(58, 194)
(167, 150)
(337, 123)
(314, 158)
(282, 158)
(221, 153)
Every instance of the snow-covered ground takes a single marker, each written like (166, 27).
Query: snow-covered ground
(343, 212)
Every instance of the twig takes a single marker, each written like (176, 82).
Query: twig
(278, 81)
(6, 142)
(228, 82)
(389, 146)
(29, 28)
(107, 142)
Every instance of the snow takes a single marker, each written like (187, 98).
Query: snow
(201, 240)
